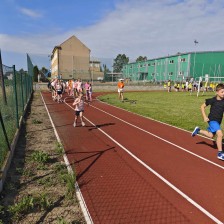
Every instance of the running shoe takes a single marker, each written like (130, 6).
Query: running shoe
(195, 132)
(220, 155)
(74, 125)
(83, 124)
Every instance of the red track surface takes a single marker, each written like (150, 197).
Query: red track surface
(119, 189)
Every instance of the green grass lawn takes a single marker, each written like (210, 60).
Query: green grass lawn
(176, 108)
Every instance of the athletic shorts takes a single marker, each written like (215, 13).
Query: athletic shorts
(120, 90)
(77, 113)
(59, 92)
(213, 127)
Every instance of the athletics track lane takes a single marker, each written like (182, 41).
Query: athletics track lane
(117, 189)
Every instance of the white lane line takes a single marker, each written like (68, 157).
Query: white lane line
(149, 118)
(81, 200)
(158, 175)
(156, 136)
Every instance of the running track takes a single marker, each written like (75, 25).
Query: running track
(131, 169)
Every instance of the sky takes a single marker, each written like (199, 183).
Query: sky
(151, 28)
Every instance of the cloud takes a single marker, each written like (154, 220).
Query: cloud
(137, 27)
(157, 28)
(30, 13)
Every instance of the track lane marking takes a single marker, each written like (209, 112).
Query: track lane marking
(149, 118)
(80, 197)
(156, 136)
(157, 174)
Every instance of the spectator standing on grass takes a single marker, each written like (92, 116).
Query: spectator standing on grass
(79, 109)
(120, 86)
(189, 88)
(214, 119)
(169, 86)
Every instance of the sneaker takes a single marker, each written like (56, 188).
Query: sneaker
(74, 125)
(195, 132)
(220, 155)
(83, 124)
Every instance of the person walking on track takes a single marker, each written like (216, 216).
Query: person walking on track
(79, 109)
(214, 119)
(120, 86)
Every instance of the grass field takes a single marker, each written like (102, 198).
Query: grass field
(176, 108)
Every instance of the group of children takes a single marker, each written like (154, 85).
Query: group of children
(214, 118)
(189, 86)
(73, 88)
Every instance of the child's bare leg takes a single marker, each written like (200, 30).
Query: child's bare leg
(206, 133)
(122, 97)
(219, 140)
(81, 118)
(75, 121)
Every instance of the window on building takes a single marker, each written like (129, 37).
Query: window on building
(181, 73)
(153, 74)
(149, 64)
(170, 73)
(171, 61)
(182, 59)
(153, 64)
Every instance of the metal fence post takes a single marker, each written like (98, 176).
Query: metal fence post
(16, 98)
(2, 81)
(21, 84)
(4, 131)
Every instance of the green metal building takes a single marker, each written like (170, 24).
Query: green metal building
(179, 67)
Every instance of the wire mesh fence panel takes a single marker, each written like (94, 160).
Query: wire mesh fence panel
(4, 143)
(14, 95)
(8, 110)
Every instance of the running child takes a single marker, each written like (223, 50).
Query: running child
(214, 119)
(79, 109)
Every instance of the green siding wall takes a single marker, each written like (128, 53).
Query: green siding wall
(177, 68)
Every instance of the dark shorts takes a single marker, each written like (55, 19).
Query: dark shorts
(77, 113)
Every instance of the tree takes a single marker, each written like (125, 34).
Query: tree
(119, 62)
(141, 58)
(44, 70)
(105, 69)
(35, 73)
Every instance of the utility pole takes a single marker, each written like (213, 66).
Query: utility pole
(195, 42)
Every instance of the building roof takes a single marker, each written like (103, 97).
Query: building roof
(59, 46)
(76, 39)
(178, 54)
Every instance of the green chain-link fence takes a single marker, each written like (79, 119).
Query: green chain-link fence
(15, 91)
